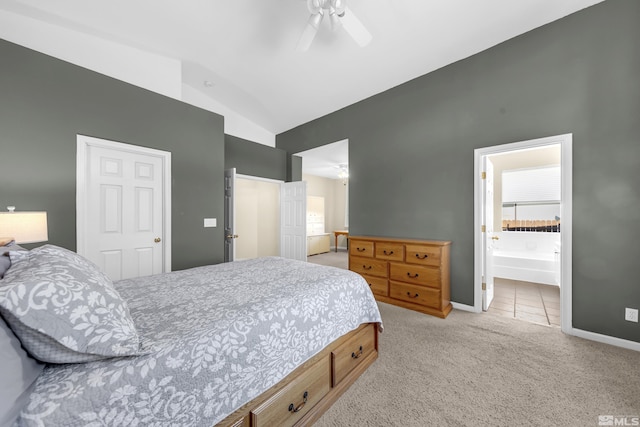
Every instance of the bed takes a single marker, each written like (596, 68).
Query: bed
(269, 341)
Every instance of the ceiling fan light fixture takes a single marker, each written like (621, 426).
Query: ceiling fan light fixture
(334, 19)
(340, 6)
(315, 6)
(316, 19)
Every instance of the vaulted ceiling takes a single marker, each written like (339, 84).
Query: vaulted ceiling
(245, 49)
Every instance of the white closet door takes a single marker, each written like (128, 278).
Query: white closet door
(293, 220)
(123, 210)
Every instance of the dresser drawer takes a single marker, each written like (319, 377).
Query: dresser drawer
(378, 285)
(368, 266)
(416, 274)
(361, 248)
(351, 353)
(291, 403)
(390, 251)
(416, 294)
(422, 254)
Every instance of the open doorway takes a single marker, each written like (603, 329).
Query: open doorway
(523, 230)
(326, 171)
(257, 217)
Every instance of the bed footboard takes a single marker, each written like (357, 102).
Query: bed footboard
(305, 394)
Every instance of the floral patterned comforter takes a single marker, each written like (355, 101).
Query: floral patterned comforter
(213, 338)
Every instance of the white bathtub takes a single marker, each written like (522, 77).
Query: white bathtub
(526, 266)
(530, 257)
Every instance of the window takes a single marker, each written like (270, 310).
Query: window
(531, 199)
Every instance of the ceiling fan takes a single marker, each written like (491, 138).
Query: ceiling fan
(339, 15)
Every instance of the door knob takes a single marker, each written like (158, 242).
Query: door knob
(495, 238)
(232, 236)
(157, 240)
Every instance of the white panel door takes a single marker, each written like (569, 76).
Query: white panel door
(124, 233)
(293, 220)
(489, 236)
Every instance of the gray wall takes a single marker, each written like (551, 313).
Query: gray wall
(251, 158)
(45, 103)
(411, 150)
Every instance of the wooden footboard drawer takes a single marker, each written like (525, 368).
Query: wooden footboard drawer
(291, 403)
(351, 353)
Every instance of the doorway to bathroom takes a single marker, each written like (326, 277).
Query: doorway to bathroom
(523, 230)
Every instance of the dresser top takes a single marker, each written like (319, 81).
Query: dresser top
(402, 240)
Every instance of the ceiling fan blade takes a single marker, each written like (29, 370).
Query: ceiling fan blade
(355, 28)
(310, 31)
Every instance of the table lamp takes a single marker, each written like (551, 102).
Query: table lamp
(24, 227)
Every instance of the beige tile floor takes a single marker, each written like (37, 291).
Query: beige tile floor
(533, 302)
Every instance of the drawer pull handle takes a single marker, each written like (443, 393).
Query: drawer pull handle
(295, 409)
(355, 355)
(367, 267)
(412, 276)
(425, 256)
(390, 253)
(412, 296)
(361, 249)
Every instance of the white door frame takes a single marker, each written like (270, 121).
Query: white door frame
(83, 142)
(566, 210)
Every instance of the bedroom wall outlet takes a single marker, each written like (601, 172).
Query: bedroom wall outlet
(210, 222)
(631, 314)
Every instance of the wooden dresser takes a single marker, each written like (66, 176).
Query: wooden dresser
(413, 274)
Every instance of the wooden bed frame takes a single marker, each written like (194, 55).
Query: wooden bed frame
(309, 391)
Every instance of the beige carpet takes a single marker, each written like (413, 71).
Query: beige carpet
(487, 370)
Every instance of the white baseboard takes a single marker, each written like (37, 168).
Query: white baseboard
(340, 248)
(463, 307)
(606, 339)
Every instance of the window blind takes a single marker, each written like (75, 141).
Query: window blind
(531, 185)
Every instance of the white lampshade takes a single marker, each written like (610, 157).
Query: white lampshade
(24, 227)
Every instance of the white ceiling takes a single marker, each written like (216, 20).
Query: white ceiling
(246, 48)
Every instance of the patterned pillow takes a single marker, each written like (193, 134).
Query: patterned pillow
(5, 247)
(64, 309)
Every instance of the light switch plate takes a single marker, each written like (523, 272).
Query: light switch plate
(210, 222)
